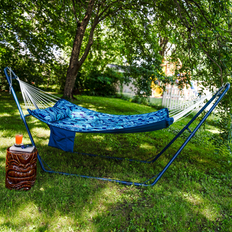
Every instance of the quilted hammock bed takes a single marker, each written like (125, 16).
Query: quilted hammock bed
(67, 116)
(65, 119)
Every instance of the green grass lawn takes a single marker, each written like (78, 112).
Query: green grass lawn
(193, 195)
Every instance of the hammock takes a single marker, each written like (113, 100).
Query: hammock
(71, 117)
(65, 119)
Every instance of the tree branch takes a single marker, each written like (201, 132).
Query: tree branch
(183, 19)
(90, 42)
(74, 11)
(81, 28)
(203, 46)
(202, 13)
(207, 54)
(107, 8)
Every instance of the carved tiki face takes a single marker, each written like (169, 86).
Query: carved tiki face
(20, 170)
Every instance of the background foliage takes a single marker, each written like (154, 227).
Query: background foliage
(98, 83)
(37, 40)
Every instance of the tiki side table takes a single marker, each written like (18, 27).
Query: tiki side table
(20, 169)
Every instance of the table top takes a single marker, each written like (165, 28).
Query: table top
(22, 151)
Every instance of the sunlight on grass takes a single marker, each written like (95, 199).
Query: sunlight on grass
(43, 133)
(2, 164)
(24, 108)
(101, 108)
(98, 137)
(92, 107)
(110, 193)
(26, 212)
(146, 146)
(98, 206)
(193, 195)
(8, 105)
(101, 203)
(213, 131)
(109, 148)
(6, 142)
(206, 209)
(193, 198)
(2, 219)
(5, 114)
(210, 213)
(208, 162)
(59, 222)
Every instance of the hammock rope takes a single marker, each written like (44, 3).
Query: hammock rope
(35, 98)
(191, 108)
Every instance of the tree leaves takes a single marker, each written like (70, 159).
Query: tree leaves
(136, 33)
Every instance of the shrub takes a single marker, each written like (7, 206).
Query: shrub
(98, 83)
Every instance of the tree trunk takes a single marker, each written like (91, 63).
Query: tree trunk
(74, 64)
(70, 81)
(75, 60)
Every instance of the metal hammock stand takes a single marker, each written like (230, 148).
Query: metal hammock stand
(211, 104)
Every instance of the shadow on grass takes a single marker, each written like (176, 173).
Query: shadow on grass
(194, 194)
(62, 202)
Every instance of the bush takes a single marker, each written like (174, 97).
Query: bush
(140, 100)
(98, 83)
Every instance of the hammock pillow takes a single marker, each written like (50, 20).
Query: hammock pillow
(71, 109)
(51, 114)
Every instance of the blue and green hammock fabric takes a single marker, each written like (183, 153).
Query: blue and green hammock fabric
(65, 118)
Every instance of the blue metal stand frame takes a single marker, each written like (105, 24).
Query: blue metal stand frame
(217, 97)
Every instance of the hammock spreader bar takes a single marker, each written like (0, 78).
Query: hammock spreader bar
(217, 97)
